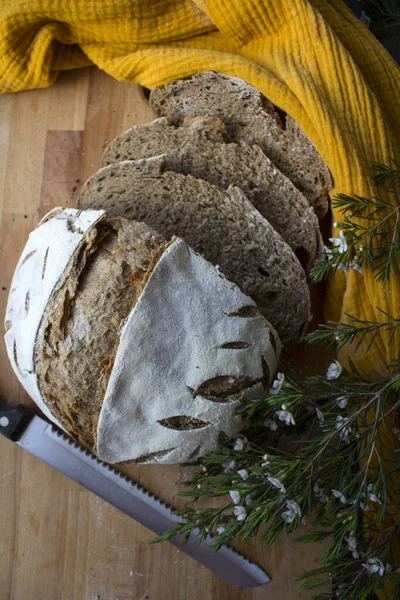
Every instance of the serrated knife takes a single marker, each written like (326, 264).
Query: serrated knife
(46, 442)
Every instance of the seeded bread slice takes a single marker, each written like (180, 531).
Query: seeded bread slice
(201, 147)
(221, 225)
(251, 117)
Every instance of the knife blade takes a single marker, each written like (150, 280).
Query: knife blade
(52, 446)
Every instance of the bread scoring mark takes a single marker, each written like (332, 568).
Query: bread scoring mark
(27, 257)
(266, 372)
(27, 302)
(225, 388)
(154, 455)
(15, 356)
(183, 423)
(194, 454)
(246, 312)
(45, 262)
(272, 341)
(235, 345)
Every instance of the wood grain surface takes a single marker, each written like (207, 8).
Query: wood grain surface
(58, 541)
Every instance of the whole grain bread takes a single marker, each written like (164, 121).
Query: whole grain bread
(249, 116)
(79, 334)
(221, 225)
(201, 147)
(161, 137)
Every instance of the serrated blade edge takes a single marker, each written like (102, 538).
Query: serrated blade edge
(53, 447)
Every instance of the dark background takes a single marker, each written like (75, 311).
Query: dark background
(385, 21)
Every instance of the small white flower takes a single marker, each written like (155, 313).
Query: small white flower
(266, 462)
(320, 415)
(334, 370)
(286, 416)
(243, 474)
(229, 466)
(248, 500)
(352, 546)
(320, 493)
(240, 513)
(374, 565)
(271, 424)
(372, 497)
(235, 496)
(356, 267)
(364, 507)
(344, 431)
(328, 252)
(293, 510)
(277, 384)
(396, 432)
(339, 242)
(342, 402)
(365, 19)
(340, 496)
(342, 267)
(220, 529)
(239, 444)
(275, 482)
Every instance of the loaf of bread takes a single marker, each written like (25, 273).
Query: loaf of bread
(249, 116)
(221, 225)
(201, 147)
(135, 345)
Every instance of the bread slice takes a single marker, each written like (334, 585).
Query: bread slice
(221, 225)
(161, 137)
(201, 147)
(251, 117)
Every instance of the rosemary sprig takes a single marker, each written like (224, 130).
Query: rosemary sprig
(278, 485)
(356, 330)
(369, 234)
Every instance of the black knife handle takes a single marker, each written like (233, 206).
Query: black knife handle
(13, 420)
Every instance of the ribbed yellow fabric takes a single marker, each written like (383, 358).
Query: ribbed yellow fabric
(312, 58)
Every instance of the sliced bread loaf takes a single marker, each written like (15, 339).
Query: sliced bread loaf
(201, 147)
(135, 346)
(222, 225)
(251, 117)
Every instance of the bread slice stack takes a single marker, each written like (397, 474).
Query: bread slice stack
(234, 177)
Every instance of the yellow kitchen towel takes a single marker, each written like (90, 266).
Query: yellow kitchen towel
(312, 58)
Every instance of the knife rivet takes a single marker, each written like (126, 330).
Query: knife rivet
(4, 422)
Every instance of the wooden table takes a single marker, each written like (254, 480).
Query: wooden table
(58, 541)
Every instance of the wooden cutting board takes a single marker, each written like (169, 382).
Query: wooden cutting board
(58, 541)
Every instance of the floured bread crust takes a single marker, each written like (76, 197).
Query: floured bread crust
(192, 348)
(49, 256)
(79, 333)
